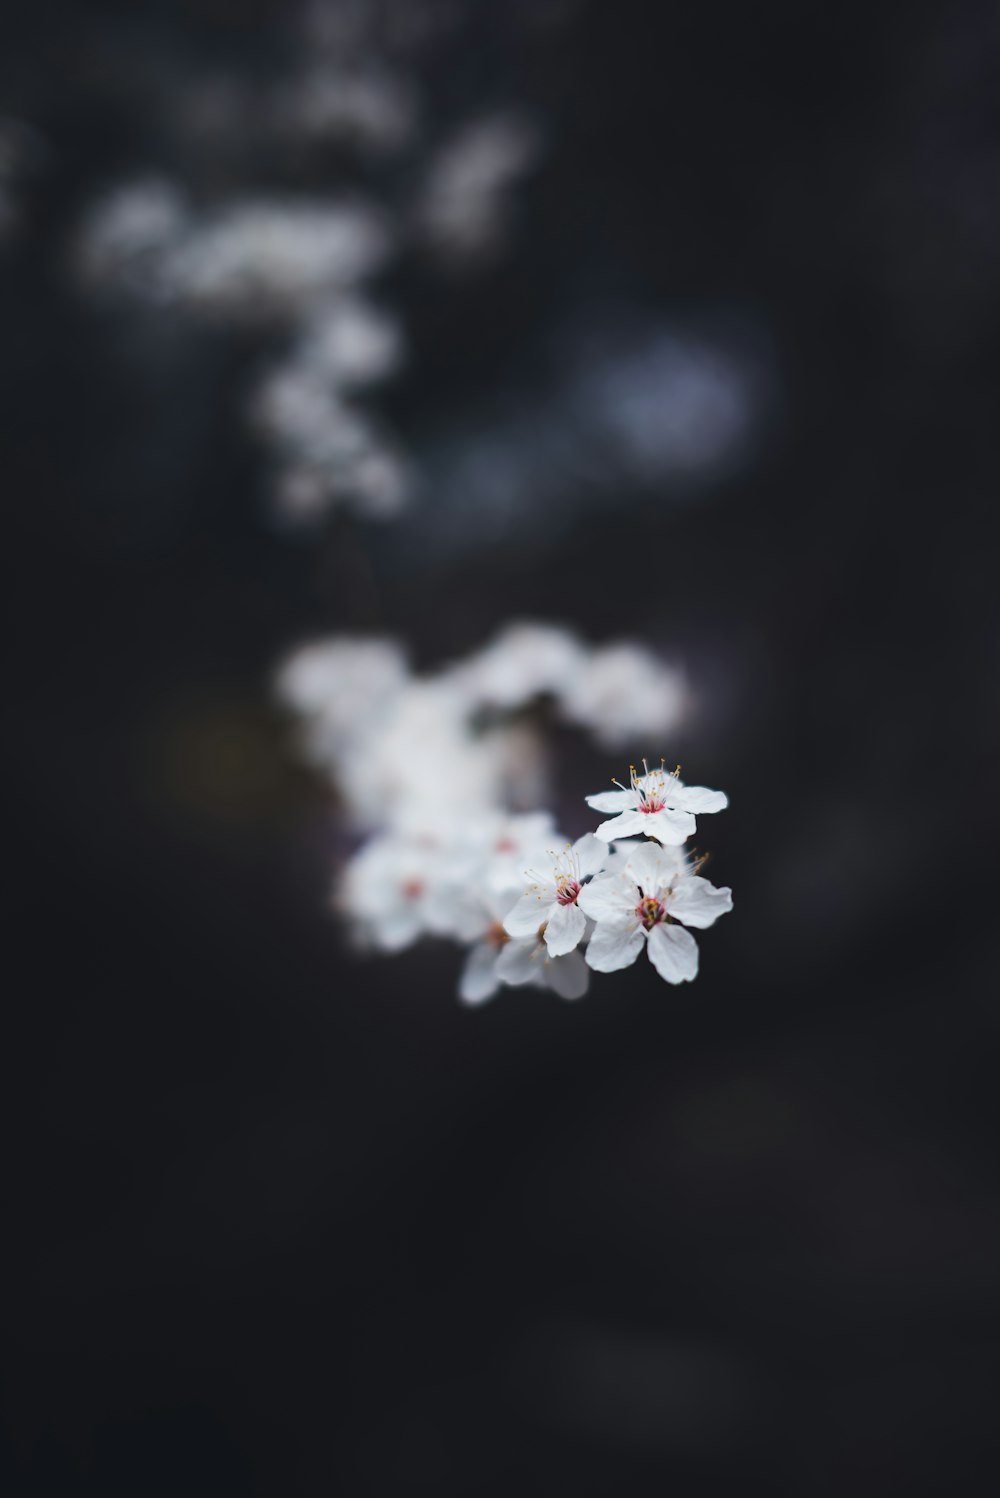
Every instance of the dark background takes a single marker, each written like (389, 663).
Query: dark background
(283, 1221)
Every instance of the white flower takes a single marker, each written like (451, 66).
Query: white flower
(498, 959)
(551, 908)
(655, 804)
(342, 687)
(253, 259)
(529, 961)
(625, 692)
(525, 661)
(395, 890)
(464, 207)
(643, 905)
(479, 917)
(421, 769)
(351, 342)
(509, 844)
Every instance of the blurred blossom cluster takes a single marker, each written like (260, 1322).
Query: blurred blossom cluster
(254, 260)
(629, 399)
(341, 117)
(441, 776)
(464, 210)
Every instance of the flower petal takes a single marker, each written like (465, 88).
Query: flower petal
(614, 945)
(591, 854)
(629, 824)
(479, 979)
(609, 897)
(567, 924)
(650, 866)
(530, 912)
(568, 975)
(698, 798)
(399, 930)
(519, 962)
(669, 827)
(613, 801)
(699, 903)
(674, 953)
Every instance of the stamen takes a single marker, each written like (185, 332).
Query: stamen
(651, 912)
(496, 936)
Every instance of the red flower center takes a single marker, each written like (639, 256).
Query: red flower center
(651, 912)
(567, 892)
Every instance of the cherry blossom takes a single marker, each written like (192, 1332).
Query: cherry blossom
(396, 890)
(444, 779)
(645, 905)
(655, 804)
(551, 906)
(497, 959)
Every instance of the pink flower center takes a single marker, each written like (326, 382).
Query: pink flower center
(651, 804)
(651, 912)
(413, 889)
(567, 891)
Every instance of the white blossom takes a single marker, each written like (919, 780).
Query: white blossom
(430, 770)
(655, 804)
(524, 662)
(464, 208)
(128, 235)
(644, 906)
(344, 681)
(528, 961)
(350, 342)
(551, 907)
(395, 890)
(492, 954)
(258, 258)
(623, 693)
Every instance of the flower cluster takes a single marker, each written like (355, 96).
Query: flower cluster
(439, 777)
(347, 89)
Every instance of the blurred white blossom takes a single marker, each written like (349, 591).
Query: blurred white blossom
(625, 693)
(252, 260)
(464, 210)
(438, 775)
(525, 661)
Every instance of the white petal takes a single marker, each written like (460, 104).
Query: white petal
(590, 853)
(479, 979)
(669, 827)
(674, 953)
(629, 824)
(698, 798)
(650, 866)
(399, 929)
(609, 897)
(519, 962)
(614, 945)
(699, 903)
(568, 975)
(567, 924)
(462, 916)
(613, 801)
(530, 912)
